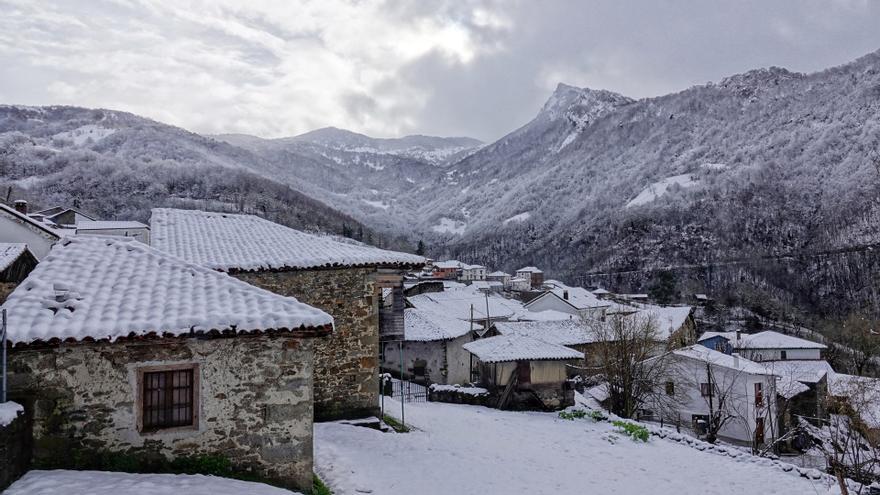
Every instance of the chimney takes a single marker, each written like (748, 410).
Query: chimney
(735, 360)
(738, 338)
(565, 295)
(21, 206)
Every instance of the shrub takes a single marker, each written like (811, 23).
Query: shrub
(572, 415)
(634, 431)
(318, 486)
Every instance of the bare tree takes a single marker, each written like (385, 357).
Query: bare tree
(851, 448)
(628, 352)
(860, 337)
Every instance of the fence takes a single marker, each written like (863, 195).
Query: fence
(407, 391)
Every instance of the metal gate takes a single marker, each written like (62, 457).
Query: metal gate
(407, 391)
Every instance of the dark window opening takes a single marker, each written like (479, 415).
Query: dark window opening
(706, 389)
(168, 399)
(670, 388)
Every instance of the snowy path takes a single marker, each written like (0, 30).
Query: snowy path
(469, 449)
(103, 483)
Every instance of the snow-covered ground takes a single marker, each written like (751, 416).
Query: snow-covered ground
(103, 483)
(470, 449)
(659, 188)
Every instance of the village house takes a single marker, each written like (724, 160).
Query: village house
(576, 301)
(572, 333)
(467, 303)
(472, 272)
(533, 275)
(764, 346)
(62, 216)
(432, 349)
(119, 348)
(523, 372)
(17, 227)
(519, 284)
(448, 270)
(697, 382)
(343, 278)
(498, 276)
(135, 230)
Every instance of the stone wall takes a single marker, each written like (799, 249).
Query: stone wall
(346, 362)
(255, 401)
(15, 450)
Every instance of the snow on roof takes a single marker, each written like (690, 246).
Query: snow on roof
(600, 291)
(503, 348)
(30, 222)
(669, 319)
(546, 315)
(457, 302)
(801, 370)
(480, 284)
(448, 264)
(562, 332)
(774, 340)
(702, 353)
(863, 394)
(579, 297)
(530, 269)
(226, 241)
(9, 253)
(425, 326)
(472, 267)
(519, 279)
(109, 225)
(109, 287)
(767, 339)
(498, 274)
(787, 386)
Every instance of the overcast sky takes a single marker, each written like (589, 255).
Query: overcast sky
(279, 68)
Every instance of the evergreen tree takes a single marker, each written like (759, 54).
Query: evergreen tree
(420, 248)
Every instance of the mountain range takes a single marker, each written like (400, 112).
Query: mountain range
(765, 165)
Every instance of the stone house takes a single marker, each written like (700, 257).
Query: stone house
(432, 348)
(534, 276)
(343, 278)
(522, 371)
(121, 348)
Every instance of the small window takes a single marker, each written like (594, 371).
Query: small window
(783, 355)
(168, 397)
(670, 388)
(759, 394)
(705, 390)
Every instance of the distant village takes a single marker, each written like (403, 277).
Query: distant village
(208, 332)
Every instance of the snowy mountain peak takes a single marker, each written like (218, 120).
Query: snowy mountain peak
(757, 80)
(567, 101)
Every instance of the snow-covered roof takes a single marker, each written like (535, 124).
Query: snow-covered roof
(424, 326)
(775, 340)
(519, 279)
(456, 302)
(448, 264)
(701, 353)
(109, 225)
(498, 274)
(226, 241)
(669, 319)
(767, 339)
(787, 386)
(600, 292)
(30, 222)
(480, 284)
(562, 332)
(503, 348)
(103, 287)
(546, 315)
(579, 297)
(9, 252)
(801, 370)
(472, 267)
(529, 269)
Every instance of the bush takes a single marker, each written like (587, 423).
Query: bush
(572, 415)
(634, 431)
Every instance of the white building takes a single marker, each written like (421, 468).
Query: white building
(519, 284)
(767, 345)
(534, 275)
(498, 276)
(697, 383)
(432, 349)
(576, 301)
(472, 272)
(17, 227)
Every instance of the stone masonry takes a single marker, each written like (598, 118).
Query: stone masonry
(347, 361)
(255, 401)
